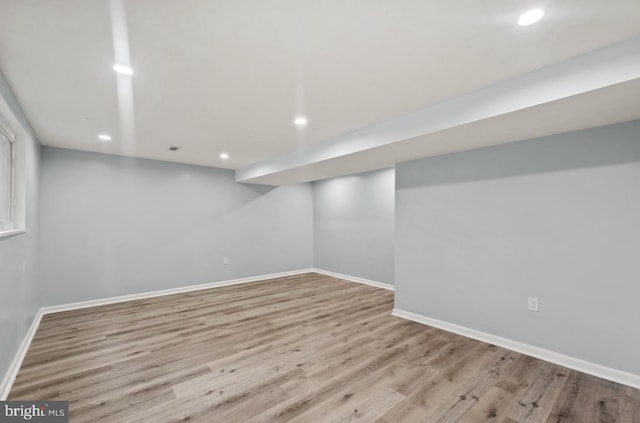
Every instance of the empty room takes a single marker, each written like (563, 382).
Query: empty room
(319, 211)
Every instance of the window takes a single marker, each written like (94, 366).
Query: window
(15, 145)
(7, 177)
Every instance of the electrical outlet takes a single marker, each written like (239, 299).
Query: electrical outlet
(225, 260)
(533, 304)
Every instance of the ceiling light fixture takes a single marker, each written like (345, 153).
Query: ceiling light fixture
(224, 156)
(125, 70)
(301, 121)
(104, 137)
(530, 17)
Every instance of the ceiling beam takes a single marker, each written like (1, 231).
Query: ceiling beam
(583, 88)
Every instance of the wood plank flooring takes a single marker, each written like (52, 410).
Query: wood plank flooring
(306, 348)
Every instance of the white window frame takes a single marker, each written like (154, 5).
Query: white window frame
(14, 131)
(9, 135)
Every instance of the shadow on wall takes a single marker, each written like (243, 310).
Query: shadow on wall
(554, 153)
(259, 189)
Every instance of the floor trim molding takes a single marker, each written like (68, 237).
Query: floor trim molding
(170, 291)
(580, 365)
(355, 279)
(594, 369)
(12, 371)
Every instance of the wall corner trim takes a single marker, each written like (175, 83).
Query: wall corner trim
(580, 365)
(355, 279)
(12, 372)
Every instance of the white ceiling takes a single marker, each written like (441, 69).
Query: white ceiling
(213, 76)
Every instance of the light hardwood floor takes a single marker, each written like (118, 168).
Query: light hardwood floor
(306, 348)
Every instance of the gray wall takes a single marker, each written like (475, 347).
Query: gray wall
(354, 225)
(114, 226)
(478, 232)
(19, 254)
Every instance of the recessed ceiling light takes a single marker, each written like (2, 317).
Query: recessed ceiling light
(224, 156)
(301, 121)
(104, 137)
(530, 17)
(125, 70)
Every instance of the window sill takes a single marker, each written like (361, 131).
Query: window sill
(12, 232)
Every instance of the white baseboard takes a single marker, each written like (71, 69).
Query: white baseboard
(604, 372)
(355, 279)
(580, 365)
(170, 291)
(12, 371)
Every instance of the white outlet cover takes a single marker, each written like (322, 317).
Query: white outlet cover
(533, 304)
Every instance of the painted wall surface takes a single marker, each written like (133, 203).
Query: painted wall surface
(478, 232)
(354, 225)
(115, 226)
(19, 253)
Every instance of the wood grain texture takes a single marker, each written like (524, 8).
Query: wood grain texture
(306, 348)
